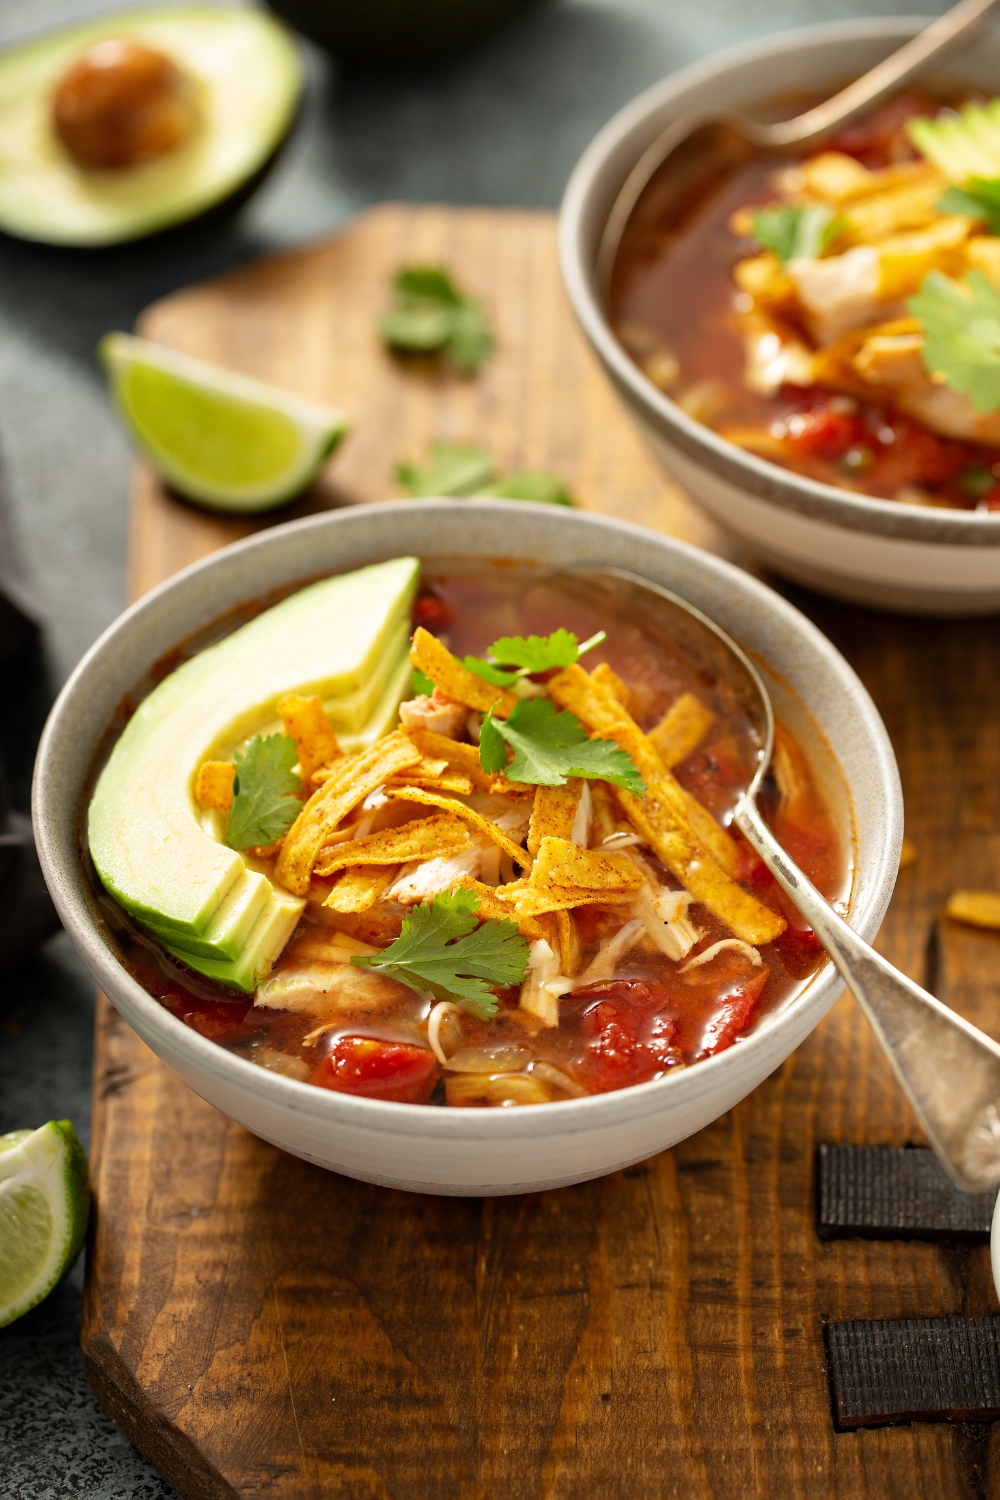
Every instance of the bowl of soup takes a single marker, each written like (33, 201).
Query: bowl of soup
(410, 847)
(777, 327)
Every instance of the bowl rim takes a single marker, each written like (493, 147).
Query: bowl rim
(59, 856)
(745, 471)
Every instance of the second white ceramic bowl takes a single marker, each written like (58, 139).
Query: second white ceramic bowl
(468, 1151)
(865, 550)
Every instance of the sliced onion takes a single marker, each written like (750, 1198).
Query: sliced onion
(444, 1030)
(504, 1057)
(501, 1091)
(555, 1078)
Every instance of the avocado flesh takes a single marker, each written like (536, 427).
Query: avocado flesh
(248, 77)
(268, 936)
(146, 836)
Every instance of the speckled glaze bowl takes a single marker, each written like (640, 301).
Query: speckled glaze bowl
(869, 551)
(472, 1151)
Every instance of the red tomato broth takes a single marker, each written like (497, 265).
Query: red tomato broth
(649, 1017)
(673, 298)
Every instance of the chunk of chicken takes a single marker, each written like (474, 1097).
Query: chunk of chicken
(437, 714)
(775, 356)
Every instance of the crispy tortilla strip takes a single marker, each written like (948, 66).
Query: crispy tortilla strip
(601, 712)
(425, 838)
(493, 905)
(360, 887)
(214, 784)
(356, 776)
(978, 908)
(461, 759)
(454, 680)
(434, 799)
(446, 783)
(608, 677)
(533, 901)
(663, 818)
(306, 721)
(560, 864)
(569, 942)
(681, 730)
(554, 812)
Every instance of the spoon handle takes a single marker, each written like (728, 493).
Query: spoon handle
(949, 1071)
(904, 64)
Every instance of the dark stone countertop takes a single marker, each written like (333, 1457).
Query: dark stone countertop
(503, 125)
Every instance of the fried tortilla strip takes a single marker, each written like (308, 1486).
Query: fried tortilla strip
(601, 712)
(356, 776)
(446, 783)
(535, 901)
(559, 864)
(978, 908)
(306, 721)
(434, 799)
(493, 905)
(214, 784)
(360, 887)
(681, 730)
(608, 677)
(454, 680)
(569, 942)
(663, 817)
(554, 812)
(425, 838)
(461, 759)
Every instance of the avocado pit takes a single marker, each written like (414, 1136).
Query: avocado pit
(122, 103)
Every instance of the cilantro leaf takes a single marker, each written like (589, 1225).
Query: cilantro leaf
(431, 315)
(796, 232)
(420, 683)
(534, 653)
(442, 949)
(550, 747)
(455, 469)
(961, 323)
(524, 484)
(978, 199)
(265, 804)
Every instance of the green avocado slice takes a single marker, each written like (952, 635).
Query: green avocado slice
(249, 80)
(148, 838)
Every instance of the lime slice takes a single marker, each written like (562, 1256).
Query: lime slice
(216, 437)
(44, 1205)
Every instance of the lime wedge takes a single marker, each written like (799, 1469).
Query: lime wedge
(44, 1205)
(218, 438)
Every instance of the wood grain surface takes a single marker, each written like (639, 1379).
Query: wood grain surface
(261, 1328)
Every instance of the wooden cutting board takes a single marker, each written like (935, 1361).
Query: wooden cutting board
(261, 1328)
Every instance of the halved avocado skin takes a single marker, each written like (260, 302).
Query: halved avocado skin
(177, 222)
(398, 33)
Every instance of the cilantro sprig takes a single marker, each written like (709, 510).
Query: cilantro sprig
(961, 323)
(550, 747)
(515, 656)
(442, 949)
(265, 800)
(432, 316)
(461, 470)
(796, 232)
(978, 198)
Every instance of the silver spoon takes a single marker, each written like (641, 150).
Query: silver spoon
(724, 130)
(949, 1070)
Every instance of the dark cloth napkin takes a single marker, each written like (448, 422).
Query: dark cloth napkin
(27, 915)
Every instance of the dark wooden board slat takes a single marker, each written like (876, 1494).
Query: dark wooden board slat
(915, 1370)
(888, 1192)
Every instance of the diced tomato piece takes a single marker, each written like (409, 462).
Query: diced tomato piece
(734, 1014)
(378, 1070)
(823, 432)
(800, 950)
(212, 1018)
(617, 1057)
(626, 991)
(431, 612)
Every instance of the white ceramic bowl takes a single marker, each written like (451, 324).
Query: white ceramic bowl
(444, 1150)
(869, 551)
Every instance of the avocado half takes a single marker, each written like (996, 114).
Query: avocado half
(398, 33)
(248, 76)
(345, 639)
